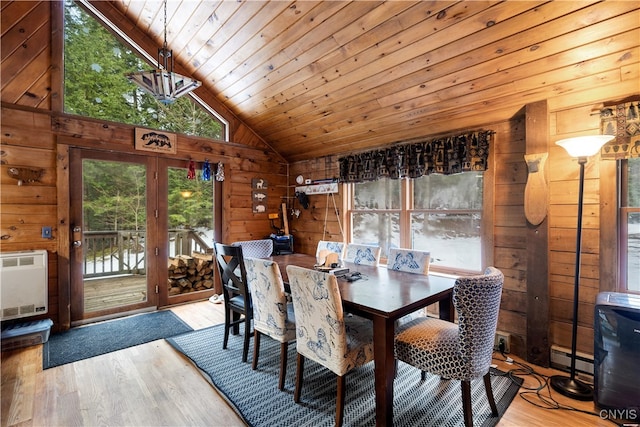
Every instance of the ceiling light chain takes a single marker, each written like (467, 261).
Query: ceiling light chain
(162, 83)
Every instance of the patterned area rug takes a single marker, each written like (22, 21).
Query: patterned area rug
(255, 394)
(104, 337)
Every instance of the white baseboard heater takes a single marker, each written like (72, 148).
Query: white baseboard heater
(561, 359)
(23, 284)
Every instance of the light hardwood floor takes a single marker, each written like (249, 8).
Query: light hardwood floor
(153, 385)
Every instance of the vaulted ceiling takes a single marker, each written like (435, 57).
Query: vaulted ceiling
(315, 78)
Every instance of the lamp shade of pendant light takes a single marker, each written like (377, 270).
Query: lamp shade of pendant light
(162, 83)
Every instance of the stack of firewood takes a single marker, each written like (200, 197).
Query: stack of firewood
(190, 273)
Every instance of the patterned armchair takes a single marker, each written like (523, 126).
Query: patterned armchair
(324, 334)
(262, 248)
(458, 351)
(325, 246)
(362, 254)
(409, 260)
(272, 315)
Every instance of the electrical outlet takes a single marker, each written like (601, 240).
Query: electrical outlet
(46, 232)
(504, 338)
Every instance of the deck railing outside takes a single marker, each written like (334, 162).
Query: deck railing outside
(111, 253)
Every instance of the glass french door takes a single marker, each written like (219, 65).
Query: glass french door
(190, 226)
(113, 256)
(143, 229)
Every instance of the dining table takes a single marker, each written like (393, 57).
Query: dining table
(384, 296)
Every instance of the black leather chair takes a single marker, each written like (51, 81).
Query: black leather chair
(237, 298)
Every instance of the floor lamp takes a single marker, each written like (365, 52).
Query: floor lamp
(581, 147)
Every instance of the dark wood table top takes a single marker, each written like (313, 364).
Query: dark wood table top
(380, 291)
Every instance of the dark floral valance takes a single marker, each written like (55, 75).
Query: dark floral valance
(448, 155)
(623, 121)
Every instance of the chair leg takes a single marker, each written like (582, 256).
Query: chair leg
(256, 349)
(227, 326)
(340, 400)
(490, 398)
(236, 327)
(299, 369)
(466, 403)
(247, 335)
(284, 347)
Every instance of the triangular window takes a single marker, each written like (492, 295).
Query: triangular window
(95, 85)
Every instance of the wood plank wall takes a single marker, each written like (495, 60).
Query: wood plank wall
(31, 138)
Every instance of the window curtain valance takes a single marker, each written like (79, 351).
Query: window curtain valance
(623, 121)
(448, 155)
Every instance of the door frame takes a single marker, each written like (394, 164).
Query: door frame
(76, 295)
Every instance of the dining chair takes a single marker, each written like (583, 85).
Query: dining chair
(237, 298)
(362, 254)
(459, 351)
(324, 334)
(409, 260)
(272, 315)
(261, 248)
(325, 247)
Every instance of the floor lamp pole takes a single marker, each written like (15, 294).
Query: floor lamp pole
(570, 386)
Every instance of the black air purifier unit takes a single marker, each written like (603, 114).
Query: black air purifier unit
(617, 355)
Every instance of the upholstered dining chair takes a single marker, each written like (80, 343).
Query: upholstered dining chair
(362, 254)
(324, 247)
(409, 260)
(272, 315)
(237, 298)
(458, 351)
(261, 248)
(324, 334)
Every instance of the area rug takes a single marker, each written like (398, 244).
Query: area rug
(100, 338)
(256, 398)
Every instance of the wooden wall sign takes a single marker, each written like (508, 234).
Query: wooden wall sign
(259, 195)
(154, 140)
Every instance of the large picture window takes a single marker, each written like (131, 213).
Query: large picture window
(630, 226)
(438, 213)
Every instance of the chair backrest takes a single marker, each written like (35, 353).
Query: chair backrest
(362, 254)
(230, 261)
(262, 248)
(321, 334)
(477, 303)
(268, 297)
(335, 247)
(409, 260)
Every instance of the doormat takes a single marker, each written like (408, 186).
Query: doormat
(112, 335)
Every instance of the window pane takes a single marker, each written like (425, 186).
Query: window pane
(380, 194)
(633, 251)
(453, 239)
(95, 84)
(373, 228)
(459, 191)
(633, 187)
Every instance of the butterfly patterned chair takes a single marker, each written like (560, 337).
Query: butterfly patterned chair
(362, 254)
(272, 316)
(324, 334)
(262, 248)
(325, 246)
(237, 299)
(458, 351)
(409, 260)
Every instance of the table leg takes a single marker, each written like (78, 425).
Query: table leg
(385, 370)
(445, 306)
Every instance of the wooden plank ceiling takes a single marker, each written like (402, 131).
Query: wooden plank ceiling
(315, 78)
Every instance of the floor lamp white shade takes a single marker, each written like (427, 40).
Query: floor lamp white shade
(581, 147)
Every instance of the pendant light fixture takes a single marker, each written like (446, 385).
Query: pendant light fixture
(162, 83)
